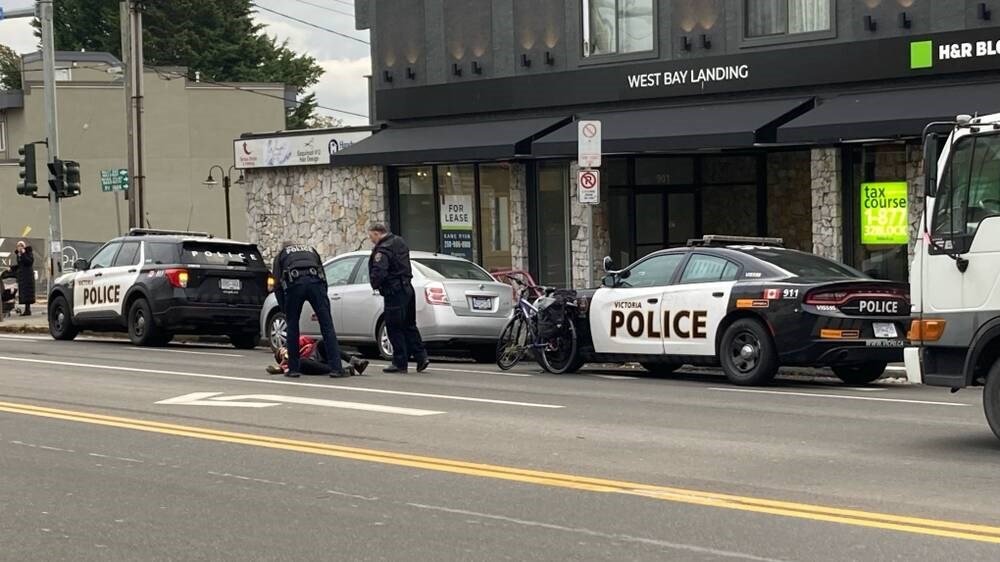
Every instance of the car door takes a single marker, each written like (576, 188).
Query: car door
(123, 272)
(93, 293)
(693, 308)
(338, 275)
(626, 318)
(360, 306)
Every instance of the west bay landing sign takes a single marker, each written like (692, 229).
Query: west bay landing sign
(906, 57)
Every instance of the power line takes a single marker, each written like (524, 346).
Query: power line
(327, 8)
(310, 24)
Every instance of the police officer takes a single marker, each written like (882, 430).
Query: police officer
(300, 278)
(390, 274)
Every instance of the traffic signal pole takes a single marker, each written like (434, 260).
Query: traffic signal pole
(45, 15)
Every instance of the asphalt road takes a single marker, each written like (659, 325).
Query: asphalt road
(110, 452)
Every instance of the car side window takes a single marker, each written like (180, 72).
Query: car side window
(706, 269)
(338, 272)
(361, 277)
(129, 255)
(105, 256)
(652, 272)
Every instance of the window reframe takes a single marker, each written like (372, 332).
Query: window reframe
(748, 41)
(586, 58)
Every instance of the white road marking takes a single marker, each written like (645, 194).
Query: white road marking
(268, 400)
(840, 396)
(280, 382)
(168, 350)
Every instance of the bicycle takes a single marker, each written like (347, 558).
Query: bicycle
(556, 355)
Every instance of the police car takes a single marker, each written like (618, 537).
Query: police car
(749, 305)
(156, 284)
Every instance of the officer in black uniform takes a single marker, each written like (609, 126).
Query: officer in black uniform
(300, 278)
(390, 274)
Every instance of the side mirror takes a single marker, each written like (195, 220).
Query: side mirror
(609, 281)
(609, 264)
(81, 265)
(930, 164)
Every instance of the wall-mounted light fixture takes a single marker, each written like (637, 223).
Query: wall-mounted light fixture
(984, 11)
(456, 70)
(525, 60)
(706, 41)
(410, 73)
(905, 21)
(387, 75)
(871, 24)
(549, 59)
(476, 67)
(685, 42)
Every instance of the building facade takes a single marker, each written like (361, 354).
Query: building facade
(793, 118)
(188, 127)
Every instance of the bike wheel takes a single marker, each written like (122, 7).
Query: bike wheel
(511, 345)
(560, 356)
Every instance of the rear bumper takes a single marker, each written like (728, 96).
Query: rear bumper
(440, 324)
(208, 319)
(829, 353)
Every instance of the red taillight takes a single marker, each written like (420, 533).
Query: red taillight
(177, 277)
(835, 297)
(841, 296)
(434, 294)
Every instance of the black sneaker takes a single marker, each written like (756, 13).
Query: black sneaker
(394, 369)
(423, 364)
(359, 365)
(292, 375)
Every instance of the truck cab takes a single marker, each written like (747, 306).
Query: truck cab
(955, 275)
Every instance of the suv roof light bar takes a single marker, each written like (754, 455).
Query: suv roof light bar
(159, 232)
(722, 240)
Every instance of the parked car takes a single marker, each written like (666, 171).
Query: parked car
(460, 307)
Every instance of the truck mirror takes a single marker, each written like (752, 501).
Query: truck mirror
(609, 264)
(930, 164)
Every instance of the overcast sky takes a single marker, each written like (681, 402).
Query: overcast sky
(346, 62)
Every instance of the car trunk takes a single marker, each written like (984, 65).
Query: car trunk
(483, 299)
(863, 297)
(221, 273)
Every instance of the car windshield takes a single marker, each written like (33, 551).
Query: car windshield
(440, 269)
(202, 253)
(801, 264)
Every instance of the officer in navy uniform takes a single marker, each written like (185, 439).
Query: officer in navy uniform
(390, 274)
(300, 278)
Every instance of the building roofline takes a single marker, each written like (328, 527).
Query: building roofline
(76, 56)
(305, 132)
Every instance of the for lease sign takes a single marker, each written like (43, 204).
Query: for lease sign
(884, 215)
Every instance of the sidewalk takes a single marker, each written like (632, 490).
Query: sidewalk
(37, 323)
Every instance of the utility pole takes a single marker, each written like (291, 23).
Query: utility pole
(131, 22)
(45, 14)
(125, 22)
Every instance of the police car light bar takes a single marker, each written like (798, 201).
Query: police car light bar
(722, 240)
(158, 232)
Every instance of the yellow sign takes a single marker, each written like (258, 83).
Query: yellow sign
(884, 213)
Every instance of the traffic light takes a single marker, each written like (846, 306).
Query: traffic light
(56, 173)
(71, 178)
(28, 184)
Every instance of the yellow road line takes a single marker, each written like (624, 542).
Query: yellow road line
(886, 521)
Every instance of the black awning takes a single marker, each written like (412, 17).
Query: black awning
(888, 113)
(707, 126)
(484, 140)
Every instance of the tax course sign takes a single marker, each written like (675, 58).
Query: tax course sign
(884, 213)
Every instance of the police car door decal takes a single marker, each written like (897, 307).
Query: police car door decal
(694, 311)
(627, 320)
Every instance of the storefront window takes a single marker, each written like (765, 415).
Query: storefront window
(664, 171)
(618, 26)
(416, 207)
(552, 220)
(876, 163)
(494, 215)
(457, 191)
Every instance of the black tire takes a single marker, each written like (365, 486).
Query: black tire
(484, 354)
(661, 369)
(275, 330)
(384, 346)
(511, 345)
(142, 330)
(244, 341)
(991, 398)
(563, 358)
(61, 325)
(747, 353)
(859, 375)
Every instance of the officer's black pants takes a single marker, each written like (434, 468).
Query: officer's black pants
(401, 324)
(313, 291)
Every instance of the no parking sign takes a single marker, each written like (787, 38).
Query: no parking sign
(589, 182)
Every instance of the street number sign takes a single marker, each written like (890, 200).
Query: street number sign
(589, 144)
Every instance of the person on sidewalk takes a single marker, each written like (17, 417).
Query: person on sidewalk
(390, 274)
(24, 269)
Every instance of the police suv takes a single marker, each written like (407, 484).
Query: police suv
(157, 284)
(749, 305)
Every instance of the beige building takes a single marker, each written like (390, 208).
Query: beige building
(189, 126)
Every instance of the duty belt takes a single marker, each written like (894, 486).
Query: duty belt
(294, 274)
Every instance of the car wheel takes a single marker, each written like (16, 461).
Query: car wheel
(991, 398)
(61, 325)
(142, 330)
(860, 374)
(660, 369)
(244, 341)
(747, 353)
(384, 345)
(277, 330)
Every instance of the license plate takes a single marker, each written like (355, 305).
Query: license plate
(482, 303)
(885, 330)
(230, 284)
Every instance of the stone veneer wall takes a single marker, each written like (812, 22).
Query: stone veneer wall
(519, 216)
(329, 208)
(587, 220)
(827, 212)
(915, 179)
(789, 200)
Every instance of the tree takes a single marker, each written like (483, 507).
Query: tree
(217, 38)
(10, 69)
(324, 122)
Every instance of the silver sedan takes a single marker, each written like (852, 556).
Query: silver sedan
(460, 307)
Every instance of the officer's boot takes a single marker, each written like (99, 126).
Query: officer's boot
(359, 365)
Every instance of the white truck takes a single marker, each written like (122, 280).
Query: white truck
(955, 275)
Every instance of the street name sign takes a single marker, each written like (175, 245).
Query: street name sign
(114, 180)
